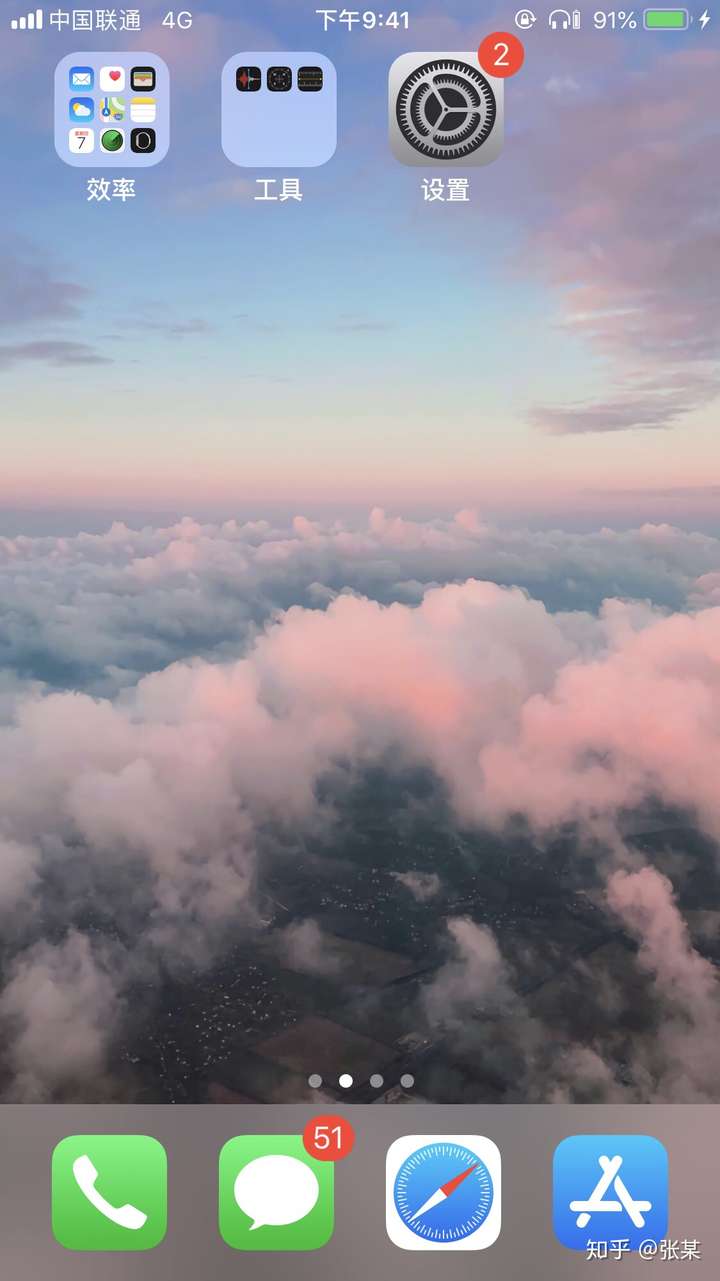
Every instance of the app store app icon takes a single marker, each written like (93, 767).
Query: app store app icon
(609, 1187)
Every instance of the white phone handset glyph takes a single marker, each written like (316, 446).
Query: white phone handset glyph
(86, 1176)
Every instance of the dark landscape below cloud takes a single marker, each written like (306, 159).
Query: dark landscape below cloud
(189, 715)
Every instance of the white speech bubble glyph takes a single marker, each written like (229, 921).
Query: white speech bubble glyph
(274, 1191)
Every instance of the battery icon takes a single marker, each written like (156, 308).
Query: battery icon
(666, 19)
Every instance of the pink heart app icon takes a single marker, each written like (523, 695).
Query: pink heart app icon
(114, 75)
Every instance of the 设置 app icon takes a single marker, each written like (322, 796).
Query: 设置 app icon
(109, 1192)
(279, 110)
(443, 1192)
(608, 1188)
(444, 110)
(272, 1195)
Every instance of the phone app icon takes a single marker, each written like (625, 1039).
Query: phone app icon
(112, 109)
(109, 1192)
(82, 109)
(443, 1192)
(444, 110)
(273, 1195)
(112, 79)
(81, 141)
(608, 1187)
(112, 140)
(81, 78)
(142, 79)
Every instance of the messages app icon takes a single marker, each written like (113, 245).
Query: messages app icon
(273, 1195)
(109, 1192)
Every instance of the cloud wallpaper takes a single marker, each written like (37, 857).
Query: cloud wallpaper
(360, 592)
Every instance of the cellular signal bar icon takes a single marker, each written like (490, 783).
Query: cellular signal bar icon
(33, 22)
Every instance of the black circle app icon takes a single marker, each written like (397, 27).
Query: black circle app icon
(142, 140)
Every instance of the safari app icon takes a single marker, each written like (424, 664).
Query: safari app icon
(443, 1192)
(273, 1195)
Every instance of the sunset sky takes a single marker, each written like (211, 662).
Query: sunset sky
(544, 351)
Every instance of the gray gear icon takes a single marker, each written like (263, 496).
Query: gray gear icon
(446, 109)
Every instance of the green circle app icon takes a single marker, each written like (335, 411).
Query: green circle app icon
(109, 1192)
(112, 140)
(273, 1195)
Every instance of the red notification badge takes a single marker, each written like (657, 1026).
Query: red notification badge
(501, 54)
(329, 1138)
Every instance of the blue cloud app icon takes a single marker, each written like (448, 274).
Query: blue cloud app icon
(82, 110)
(610, 1187)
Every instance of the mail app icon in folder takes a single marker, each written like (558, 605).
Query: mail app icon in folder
(82, 78)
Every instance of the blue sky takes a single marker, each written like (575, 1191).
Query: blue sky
(364, 346)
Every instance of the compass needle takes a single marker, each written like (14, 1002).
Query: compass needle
(443, 1193)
